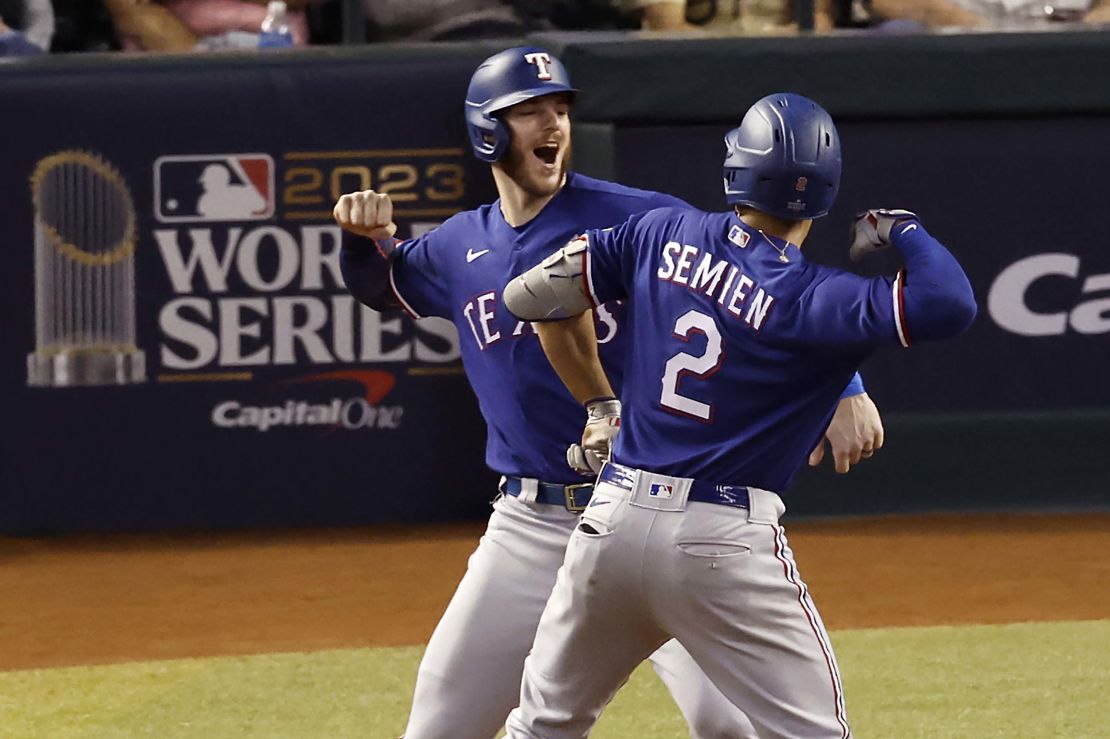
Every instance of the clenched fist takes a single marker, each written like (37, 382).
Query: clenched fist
(871, 230)
(366, 213)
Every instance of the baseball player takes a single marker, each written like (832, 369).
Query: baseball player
(517, 116)
(738, 353)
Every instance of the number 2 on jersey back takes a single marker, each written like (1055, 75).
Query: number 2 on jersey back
(701, 366)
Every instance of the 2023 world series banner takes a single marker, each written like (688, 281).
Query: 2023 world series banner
(180, 350)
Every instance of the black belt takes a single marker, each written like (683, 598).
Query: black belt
(700, 491)
(572, 497)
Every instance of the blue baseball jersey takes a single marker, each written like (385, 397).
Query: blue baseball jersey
(739, 347)
(458, 270)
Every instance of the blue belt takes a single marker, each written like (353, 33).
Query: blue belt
(572, 497)
(700, 490)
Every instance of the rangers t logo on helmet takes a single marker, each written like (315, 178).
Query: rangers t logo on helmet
(500, 82)
(541, 60)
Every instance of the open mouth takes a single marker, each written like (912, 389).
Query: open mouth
(547, 153)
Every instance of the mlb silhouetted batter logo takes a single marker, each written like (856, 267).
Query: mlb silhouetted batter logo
(739, 237)
(214, 187)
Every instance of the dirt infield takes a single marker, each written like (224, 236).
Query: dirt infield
(91, 600)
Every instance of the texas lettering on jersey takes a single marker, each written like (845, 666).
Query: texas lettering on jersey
(458, 270)
(481, 316)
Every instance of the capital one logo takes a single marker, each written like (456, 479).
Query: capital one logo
(1009, 307)
(541, 60)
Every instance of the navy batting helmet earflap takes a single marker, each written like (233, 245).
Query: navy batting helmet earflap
(505, 79)
(784, 159)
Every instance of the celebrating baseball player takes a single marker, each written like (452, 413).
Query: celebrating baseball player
(738, 353)
(517, 116)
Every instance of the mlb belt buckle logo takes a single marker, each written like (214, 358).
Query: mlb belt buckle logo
(570, 496)
(661, 490)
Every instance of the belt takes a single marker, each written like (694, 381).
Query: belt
(700, 490)
(572, 497)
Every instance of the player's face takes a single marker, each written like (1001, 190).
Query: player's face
(540, 143)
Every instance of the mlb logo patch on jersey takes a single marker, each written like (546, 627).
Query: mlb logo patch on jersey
(660, 490)
(739, 236)
(213, 187)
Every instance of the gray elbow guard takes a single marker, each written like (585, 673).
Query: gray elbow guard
(553, 289)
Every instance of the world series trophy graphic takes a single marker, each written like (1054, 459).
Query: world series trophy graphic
(85, 234)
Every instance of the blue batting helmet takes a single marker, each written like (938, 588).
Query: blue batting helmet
(505, 79)
(784, 159)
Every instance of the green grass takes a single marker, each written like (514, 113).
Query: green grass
(1014, 681)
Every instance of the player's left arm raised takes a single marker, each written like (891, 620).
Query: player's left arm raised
(930, 299)
(932, 296)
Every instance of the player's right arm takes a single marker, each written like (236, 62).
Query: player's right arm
(368, 246)
(382, 272)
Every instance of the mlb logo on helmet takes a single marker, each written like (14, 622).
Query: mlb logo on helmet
(660, 490)
(800, 185)
(213, 187)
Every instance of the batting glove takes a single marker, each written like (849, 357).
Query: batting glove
(871, 230)
(603, 421)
